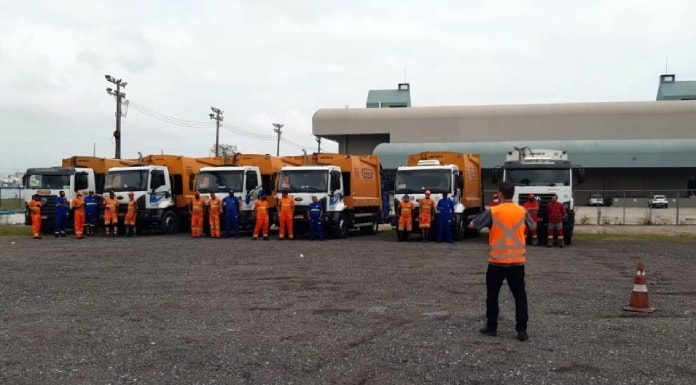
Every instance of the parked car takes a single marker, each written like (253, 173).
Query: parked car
(595, 200)
(658, 201)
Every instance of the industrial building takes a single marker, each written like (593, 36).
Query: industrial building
(638, 145)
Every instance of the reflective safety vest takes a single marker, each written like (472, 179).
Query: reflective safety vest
(426, 207)
(406, 208)
(214, 206)
(261, 209)
(197, 206)
(506, 237)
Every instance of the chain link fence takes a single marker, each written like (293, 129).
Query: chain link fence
(11, 199)
(631, 207)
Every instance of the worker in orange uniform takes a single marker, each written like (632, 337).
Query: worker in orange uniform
(34, 206)
(78, 208)
(131, 215)
(214, 209)
(495, 200)
(111, 213)
(286, 207)
(261, 208)
(555, 212)
(506, 259)
(532, 207)
(426, 215)
(405, 219)
(197, 210)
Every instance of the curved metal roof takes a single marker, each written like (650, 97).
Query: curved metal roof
(588, 153)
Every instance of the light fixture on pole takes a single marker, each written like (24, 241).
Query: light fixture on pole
(278, 131)
(217, 116)
(119, 97)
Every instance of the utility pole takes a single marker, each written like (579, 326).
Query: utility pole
(119, 96)
(318, 139)
(217, 116)
(278, 131)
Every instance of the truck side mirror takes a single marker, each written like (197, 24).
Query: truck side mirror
(335, 181)
(460, 182)
(497, 174)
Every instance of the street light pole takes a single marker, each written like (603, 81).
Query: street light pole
(119, 97)
(217, 116)
(278, 131)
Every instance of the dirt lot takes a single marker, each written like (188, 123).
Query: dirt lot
(366, 310)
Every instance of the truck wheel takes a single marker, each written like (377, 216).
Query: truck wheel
(567, 236)
(169, 223)
(341, 228)
(457, 231)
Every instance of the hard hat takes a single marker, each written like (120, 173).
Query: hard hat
(427, 192)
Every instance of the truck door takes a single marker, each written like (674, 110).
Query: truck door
(82, 182)
(159, 189)
(252, 183)
(335, 188)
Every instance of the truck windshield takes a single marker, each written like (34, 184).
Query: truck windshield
(304, 181)
(417, 181)
(53, 182)
(220, 181)
(538, 177)
(127, 180)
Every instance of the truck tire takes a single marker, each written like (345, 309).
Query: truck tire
(340, 231)
(457, 230)
(169, 223)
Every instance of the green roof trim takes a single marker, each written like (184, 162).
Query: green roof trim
(671, 89)
(389, 98)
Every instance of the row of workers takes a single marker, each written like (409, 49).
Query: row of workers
(445, 209)
(228, 208)
(85, 214)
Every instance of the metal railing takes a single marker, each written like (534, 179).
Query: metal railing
(11, 199)
(631, 207)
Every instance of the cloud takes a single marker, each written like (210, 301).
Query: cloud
(276, 61)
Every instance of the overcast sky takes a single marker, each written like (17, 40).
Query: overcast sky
(268, 61)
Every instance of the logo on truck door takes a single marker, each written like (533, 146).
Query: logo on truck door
(367, 173)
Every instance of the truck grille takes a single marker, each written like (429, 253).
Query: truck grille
(48, 206)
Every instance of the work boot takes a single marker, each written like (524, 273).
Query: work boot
(522, 336)
(62, 234)
(265, 238)
(560, 244)
(57, 234)
(488, 331)
(254, 238)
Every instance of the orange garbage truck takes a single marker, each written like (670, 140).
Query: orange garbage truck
(348, 187)
(457, 174)
(162, 185)
(76, 174)
(249, 175)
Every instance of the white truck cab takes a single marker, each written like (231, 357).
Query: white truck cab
(543, 172)
(303, 182)
(152, 189)
(430, 174)
(244, 180)
(48, 182)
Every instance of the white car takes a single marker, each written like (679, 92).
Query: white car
(595, 200)
(658, 201)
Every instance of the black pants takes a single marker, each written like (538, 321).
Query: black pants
(494, 281)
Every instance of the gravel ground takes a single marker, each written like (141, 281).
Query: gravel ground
(365, 310)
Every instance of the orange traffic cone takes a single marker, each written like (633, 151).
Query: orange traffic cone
(639, 295)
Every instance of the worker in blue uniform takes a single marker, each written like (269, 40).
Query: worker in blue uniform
(315, 211)
(230, 205)
(445, 208)
(92, 212)
(62, 206)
